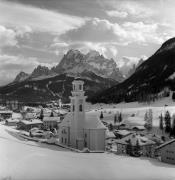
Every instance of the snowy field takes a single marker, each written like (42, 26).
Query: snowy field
(138, 109)
(20, 159)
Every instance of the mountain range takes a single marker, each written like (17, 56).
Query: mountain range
(74, 63)
(103, 80)
(45, 84)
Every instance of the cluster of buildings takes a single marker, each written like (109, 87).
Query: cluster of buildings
(150, 145)
(82, 130)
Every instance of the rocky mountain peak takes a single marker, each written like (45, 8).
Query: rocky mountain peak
(40, 71)
(74, 54)
(75, 62)
(21, 77)
(92, 53)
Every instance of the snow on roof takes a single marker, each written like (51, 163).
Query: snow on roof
(134, 121)
(91, 121)
(51, 119)
(154, 137)
(12, 120)
(5, 112)
(166, 143)
(47, 114)
(143, 141)
(123, 132)
(62, 111)
(30, 115)
(34, 121)
(109, 134)
(138, 127)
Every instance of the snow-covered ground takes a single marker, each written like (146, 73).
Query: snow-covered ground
(20, 159)
(138, 109)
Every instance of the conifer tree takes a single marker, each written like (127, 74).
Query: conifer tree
(52, 115)
(148, 118)
(115, 118)
(137, 148)
(101, 115)
(110, 127)
(173, 96)
(129, 147)
(41, 114)
(161, 122)
(173, 127)
(120, 117)
(167, 122)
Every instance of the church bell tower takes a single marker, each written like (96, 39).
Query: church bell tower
(78, 114)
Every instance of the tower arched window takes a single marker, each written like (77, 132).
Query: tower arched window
(73, 107)
(80, 107)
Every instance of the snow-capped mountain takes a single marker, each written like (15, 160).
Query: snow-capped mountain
(75, 62)
(22, 76)
(151, 77)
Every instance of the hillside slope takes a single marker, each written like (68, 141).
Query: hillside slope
(53, 88)
(151, 77)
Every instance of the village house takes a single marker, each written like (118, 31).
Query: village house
(11, 122)
(27, 125)
(51, 122)
(13, 105)
(47, 113)
(28, 115)
(5, 114)
(80, 129)
(121, 133)
(147, 146)
(166, 152)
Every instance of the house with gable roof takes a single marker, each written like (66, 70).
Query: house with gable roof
(147, 146)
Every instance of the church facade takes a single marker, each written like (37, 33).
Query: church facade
(80, 129)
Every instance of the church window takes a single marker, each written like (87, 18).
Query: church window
(80, 87)
(65, 140)
(73, 108)
(80, 108)
(62, 139)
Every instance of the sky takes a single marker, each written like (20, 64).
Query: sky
(34, 32)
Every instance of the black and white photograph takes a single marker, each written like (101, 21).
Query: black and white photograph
(87, 90)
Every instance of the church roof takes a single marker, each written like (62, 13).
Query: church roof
(51, 119)
(91, 121)
(66, 121)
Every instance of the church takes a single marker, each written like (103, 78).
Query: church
(80, 129)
